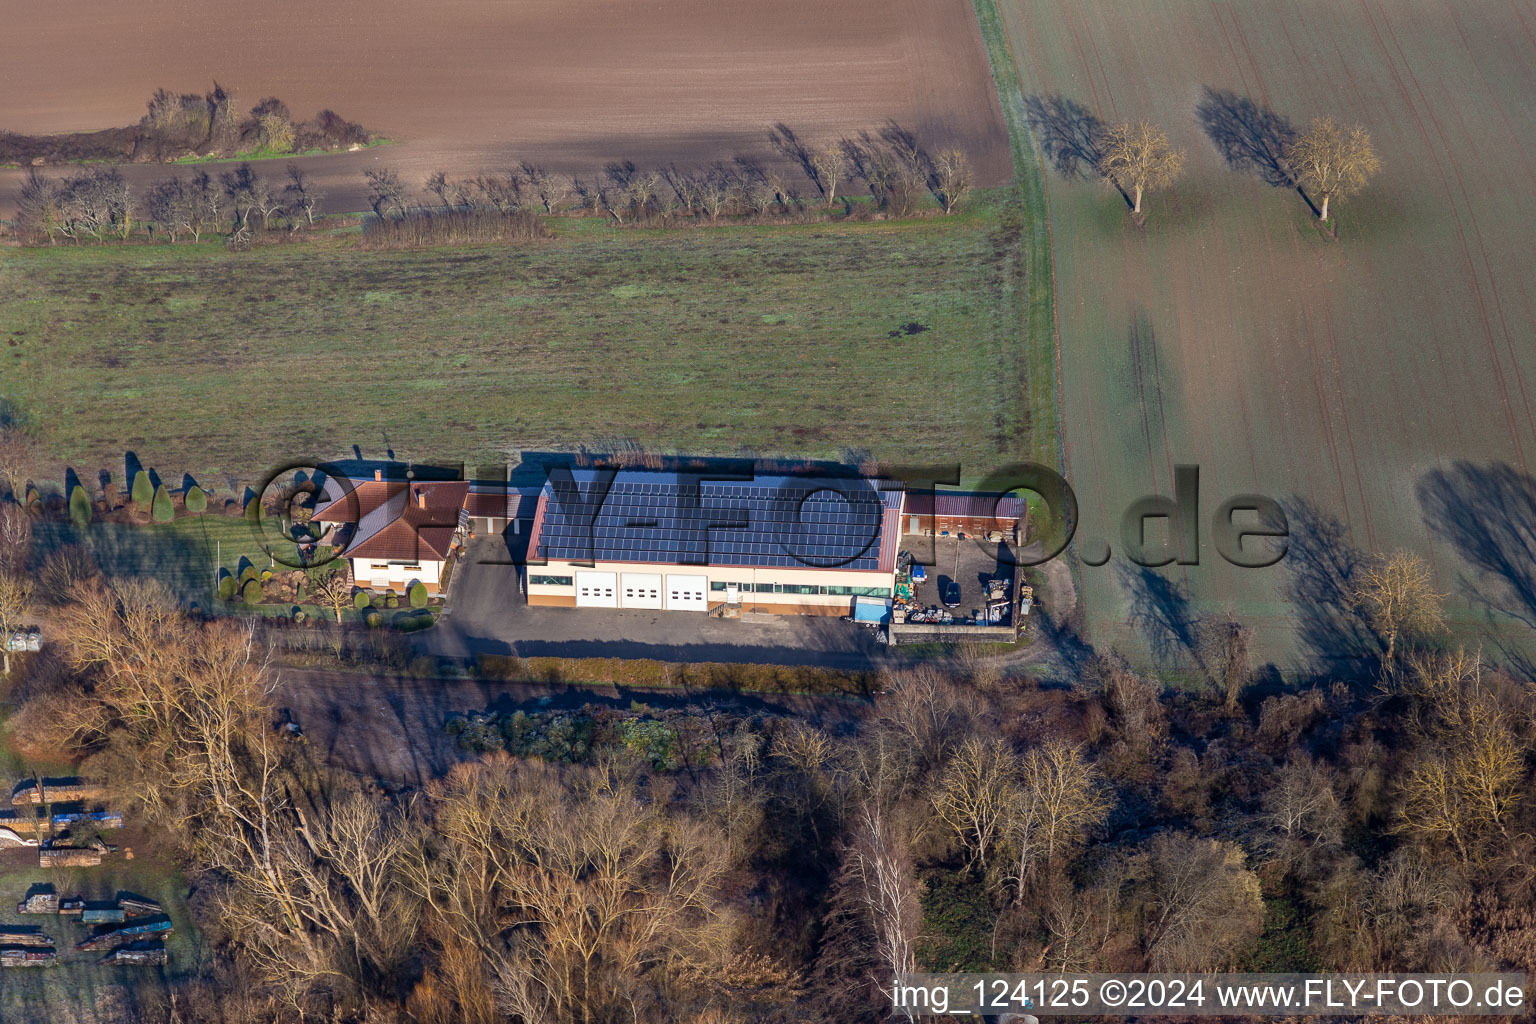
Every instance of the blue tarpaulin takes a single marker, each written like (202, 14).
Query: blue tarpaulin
(871, 609)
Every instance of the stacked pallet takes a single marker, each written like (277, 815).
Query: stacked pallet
(68, 857)
(29, 791)
(13, 937)
(26, 957)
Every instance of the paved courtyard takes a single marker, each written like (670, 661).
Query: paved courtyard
(488, 614)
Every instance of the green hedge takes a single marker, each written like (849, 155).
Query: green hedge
(703, 675)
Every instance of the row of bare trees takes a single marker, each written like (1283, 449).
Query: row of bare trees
(97, 204)
(892, 166)
(1329, 160)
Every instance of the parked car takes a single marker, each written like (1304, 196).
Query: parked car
(949, 593)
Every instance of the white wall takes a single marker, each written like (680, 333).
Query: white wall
(398, 574)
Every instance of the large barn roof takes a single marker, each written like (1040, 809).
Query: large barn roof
(676, 519)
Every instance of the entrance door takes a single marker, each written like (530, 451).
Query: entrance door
(597, 590)
(641, 590)
(687, 593)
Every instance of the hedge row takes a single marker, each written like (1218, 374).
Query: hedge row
(703, 675)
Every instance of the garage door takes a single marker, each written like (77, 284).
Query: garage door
(597, 590)
(641, 590)
(688, 593)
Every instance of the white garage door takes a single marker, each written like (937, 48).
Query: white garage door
(597, 590)
(641, 590)
(687, 593)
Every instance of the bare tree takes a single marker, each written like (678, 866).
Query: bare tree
(1206, 904)
(40, 207)
(15, 605)
(334, 589)
(1397, 597)
(386, 196)
(831, 166)
(975, 793)
(550, 189)
(1058, 798)
(886, 888)
(1138, 157)
(19, 452)
(15, 538)
(951, 179)
(97, 202)
(1224, 647)
(301, 195)
(1333, 160)
(173, 206)
(208, 199)
(1300, 807)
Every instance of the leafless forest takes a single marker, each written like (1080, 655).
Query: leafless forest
(591, 865)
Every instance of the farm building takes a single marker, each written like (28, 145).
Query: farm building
(493, 508)
(958, 512)
(672, 541)
(396, 532)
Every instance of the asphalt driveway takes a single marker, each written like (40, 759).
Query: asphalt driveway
(487, 614)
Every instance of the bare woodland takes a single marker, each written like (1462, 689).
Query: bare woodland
(777, 871)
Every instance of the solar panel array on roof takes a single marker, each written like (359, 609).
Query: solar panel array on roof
(654, 517)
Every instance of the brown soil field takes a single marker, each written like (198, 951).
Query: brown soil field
(469, 85)
(1387, 378)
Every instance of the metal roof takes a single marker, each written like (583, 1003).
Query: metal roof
(964, 504)
(822, 522)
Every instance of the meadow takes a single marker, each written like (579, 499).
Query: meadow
(1380, 384)
(897, 339)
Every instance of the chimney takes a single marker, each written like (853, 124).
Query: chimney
(378, 474)
(421, 498)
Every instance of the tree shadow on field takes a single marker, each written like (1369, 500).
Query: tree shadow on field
(1071, 136)
(1251, 138)
(1323, 565)
(1160, 610)
(1488, 514)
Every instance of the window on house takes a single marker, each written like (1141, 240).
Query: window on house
(550, 581)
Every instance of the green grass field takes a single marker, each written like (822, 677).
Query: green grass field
(788, 341)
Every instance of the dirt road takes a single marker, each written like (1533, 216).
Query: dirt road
(391, 727)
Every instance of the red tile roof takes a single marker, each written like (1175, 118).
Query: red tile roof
(398, 520)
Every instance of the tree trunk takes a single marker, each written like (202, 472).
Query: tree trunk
(1137, 207)
(1323, 213)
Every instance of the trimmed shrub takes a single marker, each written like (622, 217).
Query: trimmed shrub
(227, 586)
(161, 510)
(251, 593)
(266, 574)
(79, 507)
(391, 601)
(248, 573)
(418, 594)
(360, 600)
(34, 496)
(299, 615)
(196, 500)
(142, 492)
(374, 620)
